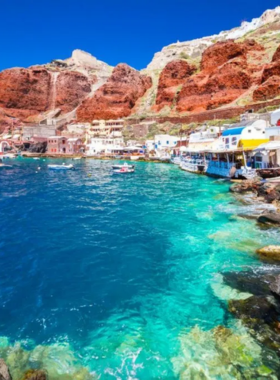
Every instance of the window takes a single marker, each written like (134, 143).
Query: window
(167, 142)
(227, 143)
(249, 131)
(234, 141)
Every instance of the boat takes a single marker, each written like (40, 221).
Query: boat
(134, 158)
(176, 160)
(124, 170)
(77, 158)
(125, 165)
(61, 167)
(194, 165)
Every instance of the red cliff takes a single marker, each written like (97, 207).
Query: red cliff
(117, 97)
(173, 75)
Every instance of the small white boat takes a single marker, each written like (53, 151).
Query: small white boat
(123, 170)
(61, 167)
(77, 158)
(36, 158)
(125, 165)
(134, 158)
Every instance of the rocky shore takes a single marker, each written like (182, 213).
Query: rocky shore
(259, 310)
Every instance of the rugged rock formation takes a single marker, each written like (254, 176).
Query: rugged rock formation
(117, 97)
(220, 53)
(172, 76)
(268, 90)
(224, 77)
(25, 92)
(257, 28)
(71, 89)
(4, 371)
(276, 55)
(25, 89)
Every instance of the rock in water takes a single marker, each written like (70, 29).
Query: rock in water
(4, 371)
(255, 307)
(270, 218)
(271, 252)
(275, 285)
(34, 374)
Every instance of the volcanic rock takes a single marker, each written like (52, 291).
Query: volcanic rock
(71, 89)
(276, 56)
(4, 371)
(173, 75)
(268, 90)
(220, 53)
(250, 282)
(25, 89)
(255, 307)
(117, 97)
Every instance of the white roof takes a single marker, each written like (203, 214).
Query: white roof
(271, 145)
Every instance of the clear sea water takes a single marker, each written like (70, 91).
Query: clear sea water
(110, 272)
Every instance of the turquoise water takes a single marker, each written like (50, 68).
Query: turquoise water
(115, 276)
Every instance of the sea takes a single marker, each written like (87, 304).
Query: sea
(119, 276)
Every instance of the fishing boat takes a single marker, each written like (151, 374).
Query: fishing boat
(61, 167)
(125, 165)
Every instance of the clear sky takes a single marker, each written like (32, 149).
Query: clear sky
(114, 31)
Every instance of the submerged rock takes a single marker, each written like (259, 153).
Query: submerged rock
(255, 307)
(248, 281)
(34, 374)
(271, 252)
(4, 371)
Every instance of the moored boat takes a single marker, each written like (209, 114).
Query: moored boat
(126, 165)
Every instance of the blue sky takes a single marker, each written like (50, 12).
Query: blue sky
(131, 31)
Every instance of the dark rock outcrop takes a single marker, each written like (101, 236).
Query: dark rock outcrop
(40, 147)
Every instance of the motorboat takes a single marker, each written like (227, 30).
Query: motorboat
(61, 167)
(124, 170)
(125, 165)
(77, 158)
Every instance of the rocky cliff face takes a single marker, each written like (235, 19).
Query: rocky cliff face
(117, 97)
(172, 76)
(62, 85)
(232, 69)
